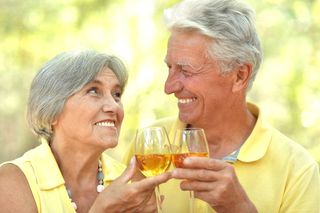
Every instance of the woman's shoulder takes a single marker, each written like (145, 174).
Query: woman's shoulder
(15, 193)
(11, 173)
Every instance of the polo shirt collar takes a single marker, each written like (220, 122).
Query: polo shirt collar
(46, 168)
(256, 145)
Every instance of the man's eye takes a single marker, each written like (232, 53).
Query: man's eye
(186, 73)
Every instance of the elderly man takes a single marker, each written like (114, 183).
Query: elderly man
(213, 56)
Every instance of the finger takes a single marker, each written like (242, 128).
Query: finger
(151, 203)
(197, 186)
(152, 182)
(162, 198)
(129, 172)
(195, 174)
(204, 163)
(149, 206)
(137, 176)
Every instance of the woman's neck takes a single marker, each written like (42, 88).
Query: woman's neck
(75, 165)
(79, 170)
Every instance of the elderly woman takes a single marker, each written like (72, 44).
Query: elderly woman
(75, 109)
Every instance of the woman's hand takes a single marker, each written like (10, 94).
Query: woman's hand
(131, 192)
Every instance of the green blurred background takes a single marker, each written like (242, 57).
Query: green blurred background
(33, 31)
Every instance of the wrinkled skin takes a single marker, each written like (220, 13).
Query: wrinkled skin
(122, 196)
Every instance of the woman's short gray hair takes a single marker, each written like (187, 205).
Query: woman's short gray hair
(60, 78)
(230, 23)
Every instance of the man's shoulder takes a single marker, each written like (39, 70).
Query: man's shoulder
(285, 146)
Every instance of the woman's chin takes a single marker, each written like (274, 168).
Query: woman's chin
(109, 143)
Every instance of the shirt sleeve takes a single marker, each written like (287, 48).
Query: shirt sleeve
(302, 193)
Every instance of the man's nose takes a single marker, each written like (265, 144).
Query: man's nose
(173, 83)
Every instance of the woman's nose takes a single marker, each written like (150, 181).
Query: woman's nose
(110, 105)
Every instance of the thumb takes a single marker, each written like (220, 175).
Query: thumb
(129, 172)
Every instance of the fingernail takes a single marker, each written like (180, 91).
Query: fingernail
(173, 173)
(132, 161)
(186, 161)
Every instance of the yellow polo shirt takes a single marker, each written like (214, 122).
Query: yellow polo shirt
(47, 183)
(277, 174)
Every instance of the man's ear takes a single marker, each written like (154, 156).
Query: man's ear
(243, 74)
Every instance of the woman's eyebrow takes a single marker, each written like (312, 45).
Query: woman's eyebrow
(95, 81)
(101, 83)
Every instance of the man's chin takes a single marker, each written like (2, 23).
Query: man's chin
(185, 117)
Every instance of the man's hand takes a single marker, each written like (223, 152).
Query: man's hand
(215, 182)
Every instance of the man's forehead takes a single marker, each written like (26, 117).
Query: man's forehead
(183, 54)
(186, 60)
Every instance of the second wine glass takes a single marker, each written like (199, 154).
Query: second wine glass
(189, 142)
(153, 154)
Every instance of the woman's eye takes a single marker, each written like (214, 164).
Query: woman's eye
(117, 95)
(93, 90)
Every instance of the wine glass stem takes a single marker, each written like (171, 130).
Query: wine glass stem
(191, 202)
(158, 199)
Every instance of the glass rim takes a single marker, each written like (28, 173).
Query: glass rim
(151, 127)
(190, 128)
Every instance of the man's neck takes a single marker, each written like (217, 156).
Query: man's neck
(228, 133)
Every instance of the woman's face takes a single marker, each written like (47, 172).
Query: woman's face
(93, 115)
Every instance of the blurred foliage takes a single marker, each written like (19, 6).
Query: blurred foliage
(33, 31)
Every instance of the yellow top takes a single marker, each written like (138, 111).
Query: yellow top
(47, 183)
(277, 174)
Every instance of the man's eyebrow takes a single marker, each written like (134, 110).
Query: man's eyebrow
(184, 63)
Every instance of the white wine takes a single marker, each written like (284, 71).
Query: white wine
(178, 158)
(153, 164)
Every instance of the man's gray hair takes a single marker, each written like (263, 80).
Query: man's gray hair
(230, 23)
(60, 78)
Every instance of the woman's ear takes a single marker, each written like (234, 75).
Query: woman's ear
(54, 122)
(243, 74)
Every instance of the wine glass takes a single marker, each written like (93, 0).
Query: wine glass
(153, 154)
(189, 142)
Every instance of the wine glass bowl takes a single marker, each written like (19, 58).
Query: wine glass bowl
(153, 154)
(153, 164)
(189, 142)
(152, 151)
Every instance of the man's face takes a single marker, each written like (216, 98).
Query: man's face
(194, 78)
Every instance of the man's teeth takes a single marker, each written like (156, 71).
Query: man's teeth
(105, 124)
(186, 100)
